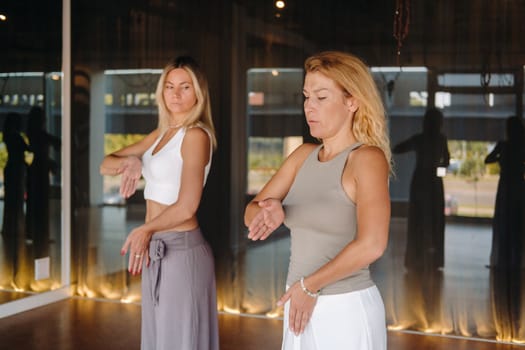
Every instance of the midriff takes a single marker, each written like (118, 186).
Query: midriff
(154, 209)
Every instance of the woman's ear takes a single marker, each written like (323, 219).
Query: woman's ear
(352, 104)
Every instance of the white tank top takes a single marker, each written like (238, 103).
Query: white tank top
(162, 171)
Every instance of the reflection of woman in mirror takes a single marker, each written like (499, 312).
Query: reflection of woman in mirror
(38, 185)
(14, 187)
(426, 221)
(508, 226)
(509, 215)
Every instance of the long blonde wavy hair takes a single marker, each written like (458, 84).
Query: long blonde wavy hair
(353, 76)
(200, 115)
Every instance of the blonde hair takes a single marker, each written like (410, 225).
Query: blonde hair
(200, 114)
(353, 76)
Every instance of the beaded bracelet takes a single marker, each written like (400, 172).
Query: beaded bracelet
(306, 291)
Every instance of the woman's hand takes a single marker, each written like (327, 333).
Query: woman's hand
(138, 245)
(301, 308)
(267, 220)
(130, 170)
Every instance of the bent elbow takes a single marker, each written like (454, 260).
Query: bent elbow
(188, 212)
(380, 251)
(377, 250)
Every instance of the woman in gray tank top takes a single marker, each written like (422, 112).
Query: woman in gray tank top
(334, 198)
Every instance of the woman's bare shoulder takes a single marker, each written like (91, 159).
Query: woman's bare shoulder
(369, 159)
(196, 134)
(196, 142)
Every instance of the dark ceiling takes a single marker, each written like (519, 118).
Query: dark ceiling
(445, 33)
(450, 34)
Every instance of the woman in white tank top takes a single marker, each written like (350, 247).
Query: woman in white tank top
(334, 198)
(179, 310)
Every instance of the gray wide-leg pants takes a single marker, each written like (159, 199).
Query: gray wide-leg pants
(179, 305)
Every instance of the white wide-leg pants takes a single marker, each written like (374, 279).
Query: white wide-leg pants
(349, 321)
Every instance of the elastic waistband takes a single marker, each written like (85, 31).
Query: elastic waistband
(178, 240)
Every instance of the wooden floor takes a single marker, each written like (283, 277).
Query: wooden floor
(80, 324)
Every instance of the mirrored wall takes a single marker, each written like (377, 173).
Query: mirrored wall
(31, 149)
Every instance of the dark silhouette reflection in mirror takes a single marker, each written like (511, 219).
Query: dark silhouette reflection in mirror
(424, 256)
(509, 219)
(508, 229)
(38, 183)
(14, 189)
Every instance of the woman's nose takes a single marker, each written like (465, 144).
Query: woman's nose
(307, 105)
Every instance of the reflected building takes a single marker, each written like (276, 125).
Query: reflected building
(96, 91)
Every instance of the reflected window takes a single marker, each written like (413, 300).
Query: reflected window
(275, 121)
(402, 88)
(265, 156)
(276, 124)
(475, 80)
(131, 113)
(470, 184)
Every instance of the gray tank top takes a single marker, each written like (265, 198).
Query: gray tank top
(322, 220)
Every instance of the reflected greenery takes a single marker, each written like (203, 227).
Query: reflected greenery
(113, 142)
